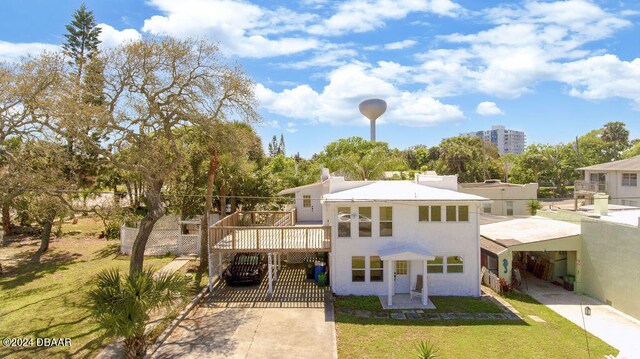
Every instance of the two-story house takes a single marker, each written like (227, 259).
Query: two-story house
(385, 235)
(618, 179)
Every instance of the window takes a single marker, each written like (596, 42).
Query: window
(451, 213)
(375, 269)
(463, 213)
(436, 214)
(364, 219)
(344, 222)
(402, 267)
(630, 179)
(306, 201)
(486, 208)
(435, 266)
(509, 208)
(423, 213)
(386, 222)
(455, 264)
(357, 269)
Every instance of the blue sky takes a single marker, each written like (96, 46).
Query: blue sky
(554, 69)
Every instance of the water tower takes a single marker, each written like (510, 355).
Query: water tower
(372, 109)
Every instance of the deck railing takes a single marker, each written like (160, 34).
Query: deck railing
(268, 230)
(581, 186)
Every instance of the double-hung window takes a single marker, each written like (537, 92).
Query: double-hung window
(435, 266)
(376, 270)
(364, 222)
(344, 221)
(357, 269)
(630, 179)
(386, 222)
(306, 201)
(455, 264)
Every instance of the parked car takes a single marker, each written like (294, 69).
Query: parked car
(246, 269)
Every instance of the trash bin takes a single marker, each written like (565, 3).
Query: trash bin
(319, 268)
(569, 281)
(322, 279)
(309, 269)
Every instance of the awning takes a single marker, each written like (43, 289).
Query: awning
(403, 252)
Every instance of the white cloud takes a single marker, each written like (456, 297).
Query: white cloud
(291, 127)
(528, 44)
(488, 109)
(348, 86)
(241, 28)
(329, 55)
(601, 77)
(367, 15)
(111, 37)
(399, 45)
(12, 52)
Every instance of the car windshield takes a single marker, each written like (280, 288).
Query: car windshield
(246, 259)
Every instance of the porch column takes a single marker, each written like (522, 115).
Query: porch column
(219, 265)
(425, 292)
(276, 265)
(389, 269)
(269, 269)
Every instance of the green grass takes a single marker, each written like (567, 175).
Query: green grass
(443, 304)
(48, 299)
(388, 338)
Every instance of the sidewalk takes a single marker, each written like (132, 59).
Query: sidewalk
(612, 326)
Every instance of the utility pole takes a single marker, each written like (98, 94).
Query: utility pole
(484, 163)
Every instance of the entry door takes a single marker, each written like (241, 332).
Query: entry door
(306, 211)
(402, 277)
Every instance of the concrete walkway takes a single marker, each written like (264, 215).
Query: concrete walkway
(214, 332)
(612, 326)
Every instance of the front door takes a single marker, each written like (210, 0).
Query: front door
(402, 277)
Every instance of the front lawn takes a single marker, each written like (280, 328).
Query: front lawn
(389, 338)
(47, 299)
(443, 304)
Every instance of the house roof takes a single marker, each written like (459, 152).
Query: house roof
(528, 230)
(497, 184)
(296, 189)
(491, 246)
(399, 191)
(630, 164)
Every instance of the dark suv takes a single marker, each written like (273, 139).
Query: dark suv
(246, 269)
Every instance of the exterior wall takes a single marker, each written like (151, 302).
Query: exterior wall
(313, 213)
(616, 190)
(519, 195)
(440, 238)
(611, 269)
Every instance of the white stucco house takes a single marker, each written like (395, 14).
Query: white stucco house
(618, 179)
(385, 235)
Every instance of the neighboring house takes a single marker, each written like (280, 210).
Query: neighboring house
(618, 179)
(387, 233)
(599, 249)
(509, 199)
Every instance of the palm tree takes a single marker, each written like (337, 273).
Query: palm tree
(121, 304)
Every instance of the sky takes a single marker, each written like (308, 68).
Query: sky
(553, 69)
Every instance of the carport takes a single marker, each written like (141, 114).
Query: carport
(273, 233)
(547, 248)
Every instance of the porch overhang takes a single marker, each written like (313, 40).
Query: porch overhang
(395, 252)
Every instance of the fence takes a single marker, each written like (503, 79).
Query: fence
(167, 237)
(491, 280)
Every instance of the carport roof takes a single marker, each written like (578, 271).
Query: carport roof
(528, 230)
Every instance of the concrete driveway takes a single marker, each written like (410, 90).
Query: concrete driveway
(296, 322)
(612, 326)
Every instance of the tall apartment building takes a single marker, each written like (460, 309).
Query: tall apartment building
(507, 141)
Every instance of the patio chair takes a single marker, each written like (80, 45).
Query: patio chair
(418, 290)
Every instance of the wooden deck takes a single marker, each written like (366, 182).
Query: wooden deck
(267, 232)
